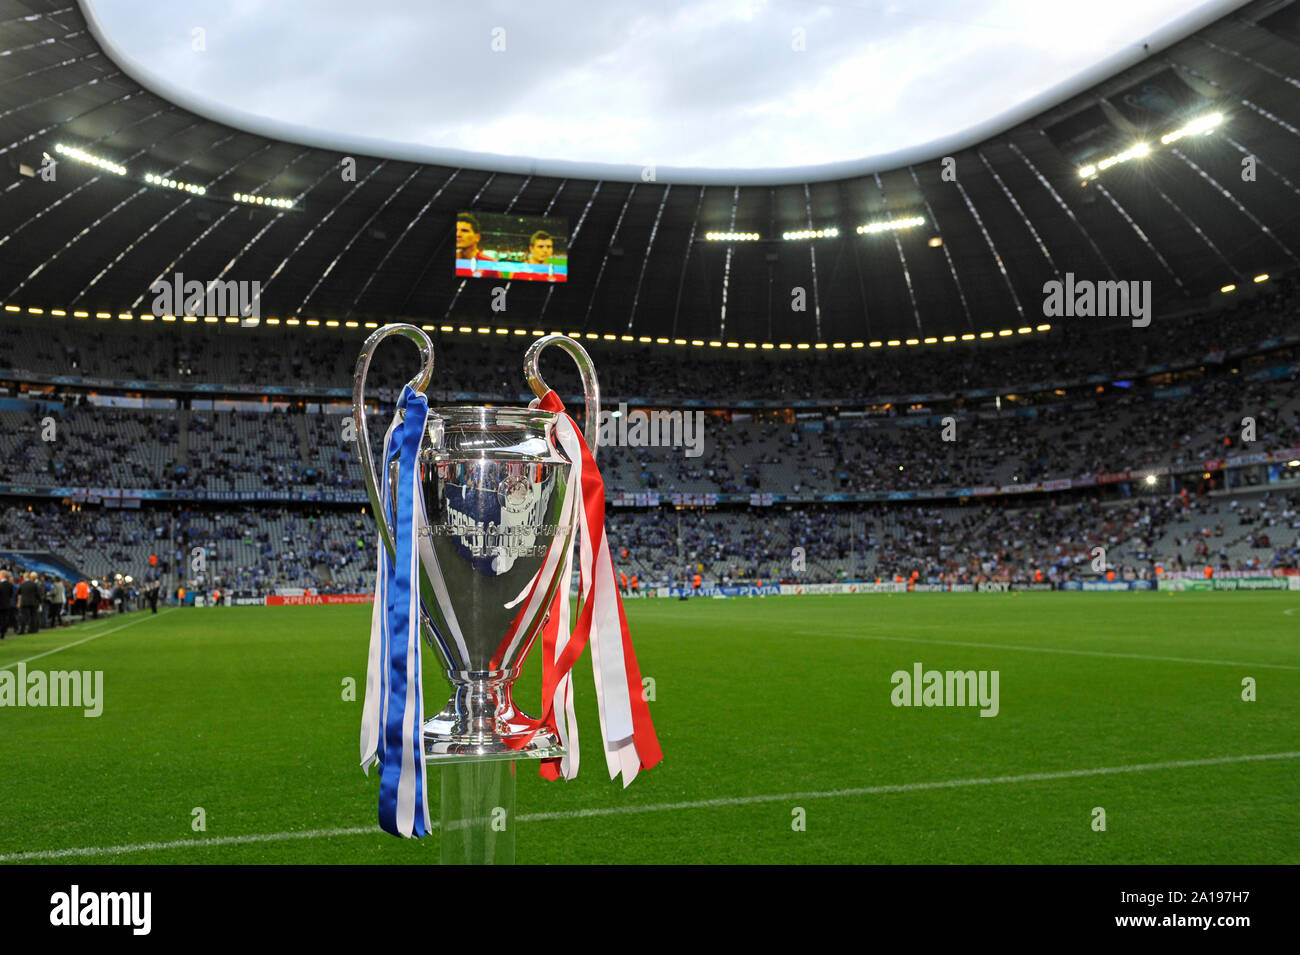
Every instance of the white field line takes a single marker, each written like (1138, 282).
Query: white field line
(659, 807)
(188, 843)
(93, 636)
(1082, 653)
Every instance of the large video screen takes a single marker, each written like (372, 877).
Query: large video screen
(519, 248)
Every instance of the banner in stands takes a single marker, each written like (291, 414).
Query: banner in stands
(1104, 585)
(988, 587)
(1232, 583)
(1238, 460)
(696, 500)
(1019, 488)
(1251, 583)
(280, 600)
(810, 590)
(1111, 585)
(730, 590)
(638, 499)
(132, 497)
(799, 590)
(1262, 572)
(872, 587)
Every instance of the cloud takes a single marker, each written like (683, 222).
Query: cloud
(706, 83)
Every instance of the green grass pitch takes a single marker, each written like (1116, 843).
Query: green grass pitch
(763, 705)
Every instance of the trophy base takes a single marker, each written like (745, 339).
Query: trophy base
(480, 719)
(443, 748)
(450, 737)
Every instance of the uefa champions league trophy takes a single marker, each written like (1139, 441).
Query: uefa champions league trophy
(488, 499)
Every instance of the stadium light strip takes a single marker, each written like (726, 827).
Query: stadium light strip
(891, 225)
(731, 236)
(175, 184)
(830, 233)
(72, 152)
(1201, 125)
(1133, 152)
(263, 200)
(1204, 124)
(536, 332)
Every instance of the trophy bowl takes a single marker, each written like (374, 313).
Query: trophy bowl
(497, 518)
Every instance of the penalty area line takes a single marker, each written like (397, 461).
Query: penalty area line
(719, 803)
(93, 636)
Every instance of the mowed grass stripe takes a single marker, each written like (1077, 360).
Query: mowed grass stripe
(138, 616)
(718, 803)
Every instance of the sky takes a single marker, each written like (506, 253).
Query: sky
(706, 84)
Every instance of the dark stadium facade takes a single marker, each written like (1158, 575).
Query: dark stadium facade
(848, 352)
(1012, 214)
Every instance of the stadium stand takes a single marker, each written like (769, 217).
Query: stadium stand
(126, 435)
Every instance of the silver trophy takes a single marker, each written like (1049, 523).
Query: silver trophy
(494, 487)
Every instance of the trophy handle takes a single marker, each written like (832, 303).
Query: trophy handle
(419, 383)
(590, 384)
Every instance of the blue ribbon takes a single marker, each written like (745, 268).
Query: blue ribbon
(401, 753)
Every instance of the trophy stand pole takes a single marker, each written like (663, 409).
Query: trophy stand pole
(478, 812)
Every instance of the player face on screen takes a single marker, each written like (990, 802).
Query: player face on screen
(467, 239)
(541, 248)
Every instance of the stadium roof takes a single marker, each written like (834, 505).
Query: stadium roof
(1015, 214)
(710, 91)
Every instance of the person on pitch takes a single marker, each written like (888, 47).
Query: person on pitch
(58, 603)
(80, 597)
(8, 597)
(48, 608)
(29, 604)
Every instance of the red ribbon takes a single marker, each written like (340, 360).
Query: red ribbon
(554, 670)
